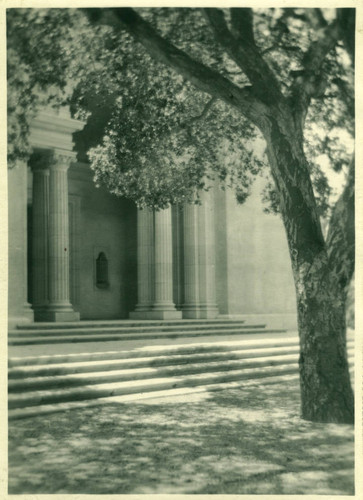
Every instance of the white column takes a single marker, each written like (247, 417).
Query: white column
(164, 307)
(19, 310)
(199, 259)
(40, 238)
(178, 255)
(40, 234)
(191, 262)
(145, 263)
(207, 272)
(59, 307)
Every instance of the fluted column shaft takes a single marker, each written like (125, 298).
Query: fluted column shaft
(58, 237)
(199, 259)
(207, 273)
(178, 255)
(163, 261)
(40, 237)
(191, 257)
(145, 259)
(19, 310)
(155, 267)
(53, 232)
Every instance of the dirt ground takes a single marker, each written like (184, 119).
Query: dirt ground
(248, 440)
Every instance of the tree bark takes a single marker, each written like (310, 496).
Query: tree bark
(326, 392)
(341, 234)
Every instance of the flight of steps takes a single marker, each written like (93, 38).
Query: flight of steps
(48, 383)
(128, 330)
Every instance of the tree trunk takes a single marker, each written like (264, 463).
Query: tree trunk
(326, 393)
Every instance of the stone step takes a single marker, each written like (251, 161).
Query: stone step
(59, 379)
(156, 350)
(115, 375)
(121, 329)
(127, 323)
(17, 375)
(145, 397)
(134, 336)
(70, 368)
(145, 385)
(183, 366)
(137, 387)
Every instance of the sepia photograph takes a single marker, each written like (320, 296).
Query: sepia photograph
(181, 249)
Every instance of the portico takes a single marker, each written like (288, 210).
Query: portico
(78, 252)
(157, 280)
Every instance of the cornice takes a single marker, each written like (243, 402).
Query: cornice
(51, 121)
(53, 131)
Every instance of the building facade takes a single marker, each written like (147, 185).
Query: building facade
(76, 252)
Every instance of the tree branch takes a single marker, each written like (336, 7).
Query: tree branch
(309, 81)
(316, 18)
(201, 76)
(242, 25)
(203, 113)
(346, 20)
(326, 41)
(244, 52)
(347, 94)
(341, 233)
(193, 119)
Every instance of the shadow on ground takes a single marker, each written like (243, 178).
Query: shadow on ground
(236, 441)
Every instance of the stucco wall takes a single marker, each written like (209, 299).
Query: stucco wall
(259, 277)
(106, 224)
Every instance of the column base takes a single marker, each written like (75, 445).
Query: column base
(57, 316)
(200, 312)
(165, 315)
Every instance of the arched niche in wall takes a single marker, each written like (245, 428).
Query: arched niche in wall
(102, 271)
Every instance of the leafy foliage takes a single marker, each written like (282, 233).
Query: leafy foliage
(165, 140)
(49, 51)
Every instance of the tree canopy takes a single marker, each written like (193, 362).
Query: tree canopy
(164, 137)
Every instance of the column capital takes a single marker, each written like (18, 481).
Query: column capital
(56, 159)
(40, 160)
(62, 159)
